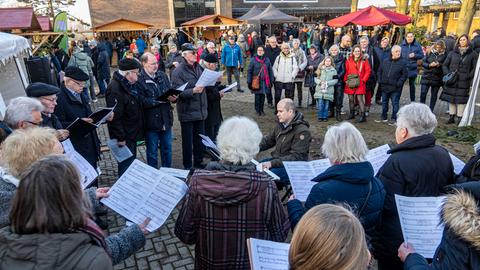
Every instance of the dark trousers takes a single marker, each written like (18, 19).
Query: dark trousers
(191, 142)
(338, 96)
(279, 86)
(299, 86)
(123, 166)
(312, 94)
(259, 102)
(378, 94)
(212, 131)
(390, 264)
(236, 74)
(395, 98)
(433, 94)
(269, 96)
(411, 83)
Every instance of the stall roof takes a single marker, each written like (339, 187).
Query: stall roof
(18, 18)
(211, 20)
(272, 15)
(371, 16)
(11, 45)
(44, 23)
(122, 24)
(254, 11)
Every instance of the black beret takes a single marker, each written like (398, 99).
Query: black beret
(128, 64)
(39, 89)
(210, 58)
(76, 74)
(188, 47)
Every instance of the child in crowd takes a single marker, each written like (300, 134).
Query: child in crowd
(326, 79)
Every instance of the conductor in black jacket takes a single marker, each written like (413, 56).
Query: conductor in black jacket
(127, 123)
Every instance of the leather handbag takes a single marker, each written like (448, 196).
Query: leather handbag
(353, 80)
(450, 78)
(256, 80)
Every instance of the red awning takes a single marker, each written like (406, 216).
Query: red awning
(371, 16)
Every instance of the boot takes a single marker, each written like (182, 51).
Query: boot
(363, 118)
(338, 115)
(352, 115)
(459, 118)
(451, 120)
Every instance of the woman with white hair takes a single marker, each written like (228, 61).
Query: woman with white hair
(417, 167)
(349, 180)
(231, 202)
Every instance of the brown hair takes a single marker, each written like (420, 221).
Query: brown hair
(329, 237)
(23, 147)
(49, 198)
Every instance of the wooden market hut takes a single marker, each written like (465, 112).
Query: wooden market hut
(121, 26)
(211, 25)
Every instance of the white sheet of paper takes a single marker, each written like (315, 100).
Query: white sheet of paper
(179, 173)
(209, 143)
(208, 77)
(119, 153)
(268, 255)
(182, 87)
(3, 107)
(229, 88)
(259, 168)
(301, 173)
(143, 191)
(86, 171)
(458, 164)
(377, 157)
(420, 222)
(68, 146)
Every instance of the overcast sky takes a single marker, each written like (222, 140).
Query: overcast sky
(81, 10)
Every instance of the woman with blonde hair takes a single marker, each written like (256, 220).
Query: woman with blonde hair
(329, 237)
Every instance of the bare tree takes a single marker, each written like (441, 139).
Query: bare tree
(465, 18)
(49, 7)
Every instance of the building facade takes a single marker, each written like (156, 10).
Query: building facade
(444, 16)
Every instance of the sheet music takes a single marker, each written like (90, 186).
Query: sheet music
(420, 222)
(208, 78)
(143, 191)
(119, 153)
(182, 87)
(301, 173)
(229, 88)
(104, 119)
(261, 169)
(86, 171)
(179, 173)
(209, 143)
(377, 157)
(268, 255)
(458, 164)
(68, 146)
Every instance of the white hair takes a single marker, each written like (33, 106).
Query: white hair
(417, 118)
(364, 38)
(123, 72)
(239, 140)
(344, 143)
(396, 47)
(296, 41)
(210, 45)
(20, 110)
(334, 46)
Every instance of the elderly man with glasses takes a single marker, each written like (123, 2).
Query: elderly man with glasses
(47, 95)
(23, 113)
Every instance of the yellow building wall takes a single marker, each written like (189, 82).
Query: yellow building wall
(427, 19)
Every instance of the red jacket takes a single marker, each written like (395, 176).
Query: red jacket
(354, 68)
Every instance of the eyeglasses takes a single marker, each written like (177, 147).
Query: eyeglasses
(81, 84)
(50, 99)
(134, 72)
(33, 123)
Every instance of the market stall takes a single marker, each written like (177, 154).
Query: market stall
(371, 16)
(210, 26)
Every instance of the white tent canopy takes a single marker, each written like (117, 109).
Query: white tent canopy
(12, 46)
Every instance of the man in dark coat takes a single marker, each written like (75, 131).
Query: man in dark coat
(47, 95)
(153, 83)
(191, 106)
(391, 76)
(272, 51)
(450, 41)
(214, 94)
(412, 52)
(72, 105)
(173, 58)
(127, 124)
(476, 40)
(103, 69)
(381, 52)
(291, 138)
(417, 167)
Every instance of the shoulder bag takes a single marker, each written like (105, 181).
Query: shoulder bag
(353, 80)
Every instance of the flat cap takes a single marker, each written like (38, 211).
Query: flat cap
(210, 58)
(76, 74)
(188, 47)
(39, 89)
(128, 64)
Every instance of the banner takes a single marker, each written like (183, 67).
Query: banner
(60, 26)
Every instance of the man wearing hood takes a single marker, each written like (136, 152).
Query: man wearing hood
(291, 138)
(411, 52)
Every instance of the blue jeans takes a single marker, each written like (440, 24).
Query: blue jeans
(411, 82)
(280, 172)
(395, 97)
(322, 108)
(153, 138)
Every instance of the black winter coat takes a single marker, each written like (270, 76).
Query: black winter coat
(128, 122)
(173, 57)
(214, 108)
(465, 66)
(68, 109)
(381, 54)
(254, 69)
(314, 62)
(433, 75)
(158, 114)
(476, 44)
(271, 54)
(190, 106)
(449, 43)
(392, 74)
(340, 67)
(51, 121)
(103, 63)
(416, 168)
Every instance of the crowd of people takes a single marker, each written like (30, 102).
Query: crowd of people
(350, 210)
